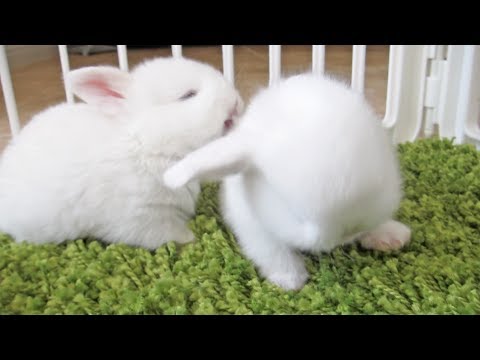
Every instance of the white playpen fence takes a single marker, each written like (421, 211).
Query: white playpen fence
(430, 87)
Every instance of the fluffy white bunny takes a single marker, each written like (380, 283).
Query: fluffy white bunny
(95, 169)
(308, 168)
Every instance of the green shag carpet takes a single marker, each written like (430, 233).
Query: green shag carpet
(438, 273)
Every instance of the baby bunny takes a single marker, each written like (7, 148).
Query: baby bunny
(95, 169)
(308, 168)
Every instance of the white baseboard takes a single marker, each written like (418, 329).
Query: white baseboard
(23, 55)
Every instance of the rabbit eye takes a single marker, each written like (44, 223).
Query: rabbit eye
(189, 95)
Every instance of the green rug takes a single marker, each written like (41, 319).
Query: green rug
(438, 273)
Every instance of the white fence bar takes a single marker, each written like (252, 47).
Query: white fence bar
(411, 109)
(65, 69)
(394, 86)
(358, 68)
(463, 109)
(122, 57)
(228, 63)
(318, 59)
(176, 50)
(275, 56)
(447, 109)
(8, 92)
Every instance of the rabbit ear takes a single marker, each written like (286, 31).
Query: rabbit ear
(99, 85)
(222, 157)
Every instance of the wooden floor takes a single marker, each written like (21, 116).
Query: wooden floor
(39, 85)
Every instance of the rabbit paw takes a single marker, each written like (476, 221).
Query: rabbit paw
(392, 235)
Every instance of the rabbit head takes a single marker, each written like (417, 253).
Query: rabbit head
(172, 105)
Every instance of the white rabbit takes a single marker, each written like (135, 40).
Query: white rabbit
(95, 169)
(308, 168)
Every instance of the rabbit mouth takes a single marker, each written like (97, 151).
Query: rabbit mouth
(227, 126)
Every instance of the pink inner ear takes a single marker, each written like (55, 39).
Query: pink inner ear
(102, 86)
